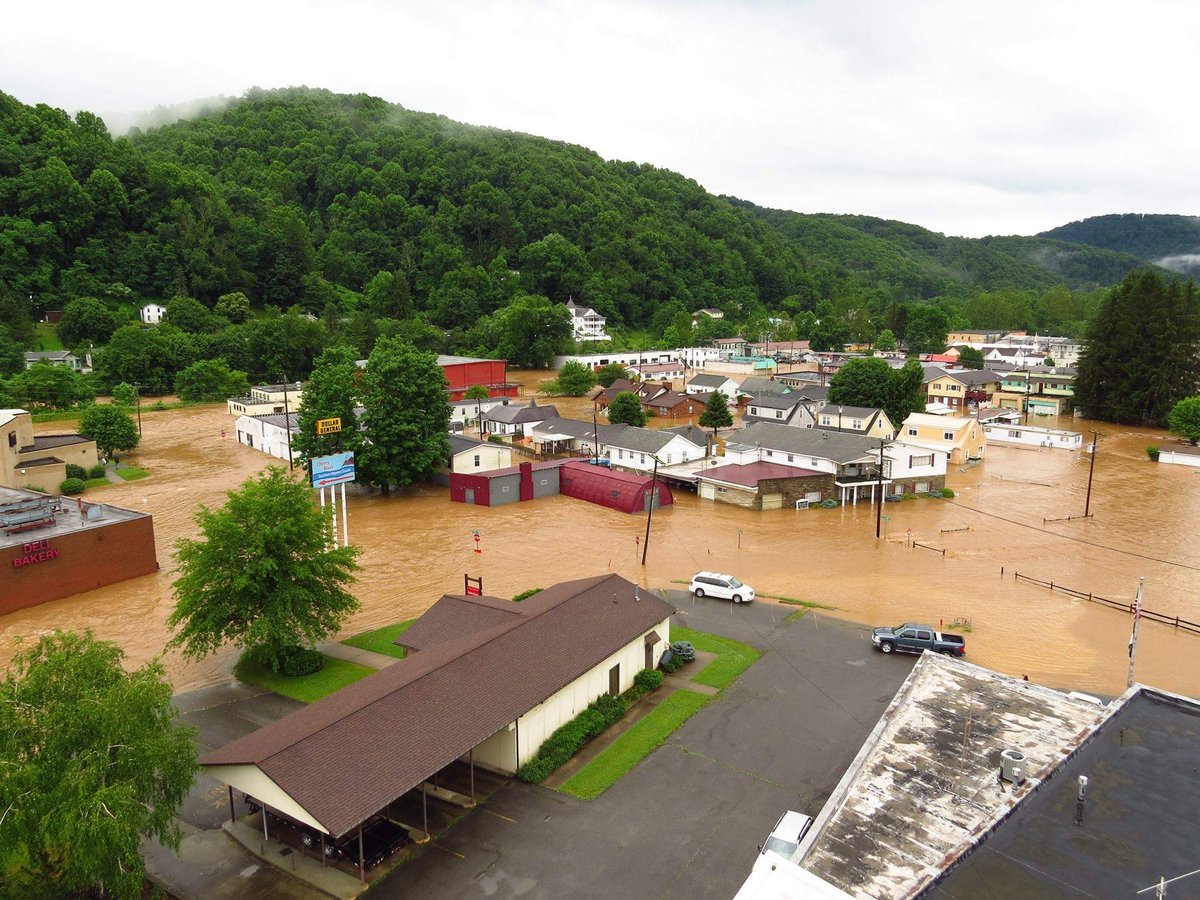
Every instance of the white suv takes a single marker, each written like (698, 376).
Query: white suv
(726, 587)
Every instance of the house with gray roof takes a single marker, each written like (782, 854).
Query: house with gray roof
(856, 420)
(758, 386)
(636, 448)
(708, 384)
(515, 421)
(59, 358)
(782, 409)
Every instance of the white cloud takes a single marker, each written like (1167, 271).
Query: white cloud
(965, 118)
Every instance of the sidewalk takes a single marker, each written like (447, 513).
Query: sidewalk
(368, 658)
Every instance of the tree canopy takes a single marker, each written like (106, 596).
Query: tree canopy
(716, 412)
(574, 379)
(95, 761)
(626, 409)
(331, 392)
(873, 383)
(262, 574)
(111, 427)
(1184, 419)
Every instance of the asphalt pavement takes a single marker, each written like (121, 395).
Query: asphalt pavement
(687, 821)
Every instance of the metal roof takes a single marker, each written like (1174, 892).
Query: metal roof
(839, 447)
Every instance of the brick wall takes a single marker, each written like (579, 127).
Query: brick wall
(87, 559)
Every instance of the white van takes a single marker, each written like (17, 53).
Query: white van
(785, 838)
(725, 587)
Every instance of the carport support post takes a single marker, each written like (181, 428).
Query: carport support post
(232, 815)
(323, 863)
(424, 810)
(362, 865)
(471, 757)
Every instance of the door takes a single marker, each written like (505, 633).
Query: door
(907, 639)
(649, 656)
(614, 680)
(469, 496)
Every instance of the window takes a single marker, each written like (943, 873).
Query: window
(912, 432)
(924, 636)
(1014, 434)
(790, 459)
(779, 413)
(12, 439)
(643, 458)
(814, 461)
(856, 424)
(914, 461)
(769, 453)
(947, 435)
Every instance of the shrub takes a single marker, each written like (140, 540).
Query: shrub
(947, 493)
(524, 595)
(567, 739)
(1152, 452)
(96, 471)
(495, 439)
(78, 472)
(830, 504)
(648, 680)
(299, 661)
(671, 665)
(34, 488)
(72, 486)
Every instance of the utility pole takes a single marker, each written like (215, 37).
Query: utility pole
(287, 428)
(1087, 503)
(1137, 617)
(879, 482)
(137, 395)
(650, 509)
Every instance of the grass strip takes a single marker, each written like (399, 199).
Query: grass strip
(733, 657)
(131, 473)
(792, 601)
(634, 745)
(380, 640)
(96, 482)
(336, 674)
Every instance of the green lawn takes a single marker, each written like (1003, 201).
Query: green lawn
(380, 640)
(733, 657)
(46, 337)
(131, 473)
(96, 482)
(336, 675)
(634, 745)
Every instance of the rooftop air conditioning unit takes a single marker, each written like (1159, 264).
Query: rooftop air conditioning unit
(1012, 766)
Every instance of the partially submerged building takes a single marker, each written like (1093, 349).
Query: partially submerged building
(39, 461)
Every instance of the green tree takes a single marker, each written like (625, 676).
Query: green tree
(1142, 351)
(234, 306)
(531, 330)
(207, 380)
(904, 393)
(262, 574)
(192, 316)
(124, 395)
(716, 413)
(873, 383)
(926, 329)
(574, 379)
(886, 341)
(111, 427)
(151, 357)
(331, 392)
(49, 386)
(970, 358)
(626, 409)
(1184, 419)
(95, 762)
(86, 319)
(607, 374)
(406, 418)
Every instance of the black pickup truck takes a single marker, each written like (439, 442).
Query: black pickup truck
(913, 638)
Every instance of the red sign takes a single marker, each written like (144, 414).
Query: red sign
(36, 552)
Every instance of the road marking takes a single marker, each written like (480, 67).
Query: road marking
(498, 816)
(448, 850)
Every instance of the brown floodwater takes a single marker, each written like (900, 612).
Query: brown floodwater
(418, 545)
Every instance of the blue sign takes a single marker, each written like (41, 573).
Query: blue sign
(335, 469)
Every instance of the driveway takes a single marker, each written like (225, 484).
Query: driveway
(686, 822)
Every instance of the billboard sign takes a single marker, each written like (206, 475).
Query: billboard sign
(335, 469)
(329, 426)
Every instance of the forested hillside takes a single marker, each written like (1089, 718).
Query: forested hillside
(1148, 236)
(379, 220)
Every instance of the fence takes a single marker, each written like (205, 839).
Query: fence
(1125, 606)
(917, 544)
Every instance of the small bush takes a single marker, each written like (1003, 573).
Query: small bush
(1152, 452)
(495, 439)
(299, 661)
(671, 665)
(830, 504)
(947, 494)
(74, 471)
(96, 471)
(72, 486)
(525, 595)
(648, 680)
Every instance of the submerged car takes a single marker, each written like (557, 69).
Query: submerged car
(724, 587)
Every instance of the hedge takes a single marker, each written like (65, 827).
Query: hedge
(72, 486)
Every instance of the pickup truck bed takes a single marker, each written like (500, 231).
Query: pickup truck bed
(915, 638)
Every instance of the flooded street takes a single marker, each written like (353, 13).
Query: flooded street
(417, 546)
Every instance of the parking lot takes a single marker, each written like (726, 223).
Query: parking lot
(687, 821)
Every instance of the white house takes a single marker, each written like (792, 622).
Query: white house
(468, 455)
(697, 357)
(708, 384)
(59, 358)
(152, 313)
(586, 324)
(468, 412)
(1180, 455)
(624, 358)
(484, 678)
(517, 422)
(270, 434)
(1032, 436)
(635, 448)
(782, 409)
(870, 421)
(663, 371)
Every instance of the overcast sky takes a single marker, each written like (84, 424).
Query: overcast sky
(970, 118)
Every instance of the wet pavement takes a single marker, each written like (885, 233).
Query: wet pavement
(417, 545)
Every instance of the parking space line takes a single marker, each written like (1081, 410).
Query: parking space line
(448, 850)
(498, 816)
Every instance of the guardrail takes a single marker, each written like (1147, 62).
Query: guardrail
(1124, 605)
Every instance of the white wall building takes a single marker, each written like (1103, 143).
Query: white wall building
(267, 433)
(467, 455)
(1032, 436)
(152, 313)
(635, 448)
(587, 325)
(466, 413)
(623, 357)
(265, 399)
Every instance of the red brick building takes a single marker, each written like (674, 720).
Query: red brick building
(464, 371)
(53, 547)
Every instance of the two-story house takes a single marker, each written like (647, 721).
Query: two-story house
(516, 422)
(39, 461)
(267, 399)
(703, 385)
(1041, 391)
(963, 389)
(855, 420)
(152, 313)
(963, 439)
(636, 448)
(587, 325)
